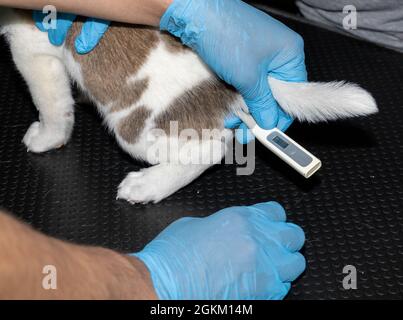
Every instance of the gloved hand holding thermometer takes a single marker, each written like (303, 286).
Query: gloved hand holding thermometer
(243, 46)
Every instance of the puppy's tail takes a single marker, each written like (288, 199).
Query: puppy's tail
(318, 101)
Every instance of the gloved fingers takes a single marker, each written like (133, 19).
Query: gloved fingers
(266, 118)
(293, 71)
(294, 266)
(232, 122)
(63, 25)
(289, 235)
(39, 17)
(293, 237)
(282, 294)
(264, 108)
(243, 134)
(272, 210)
(272, 289)
(284, 121)
(91, 33)
(288, 265)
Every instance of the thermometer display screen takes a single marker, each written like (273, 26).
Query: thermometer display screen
(291, 150)
(283, 144)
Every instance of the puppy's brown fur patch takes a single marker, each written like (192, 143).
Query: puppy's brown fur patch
(131, 127)
(203, 107)
(119, 55)
(136, 91)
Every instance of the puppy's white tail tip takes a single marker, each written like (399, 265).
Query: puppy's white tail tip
(317, 101)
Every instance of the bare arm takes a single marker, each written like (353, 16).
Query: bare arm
(82, 272)
(146, 12)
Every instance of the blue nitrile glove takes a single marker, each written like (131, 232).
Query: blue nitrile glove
(243, 45)
(90, 35)
(237, 253)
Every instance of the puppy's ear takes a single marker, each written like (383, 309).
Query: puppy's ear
(319, 101)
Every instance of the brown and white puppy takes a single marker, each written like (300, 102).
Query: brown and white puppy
(150, 89)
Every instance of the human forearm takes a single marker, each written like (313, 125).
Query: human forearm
(82, 272)
(147, 12)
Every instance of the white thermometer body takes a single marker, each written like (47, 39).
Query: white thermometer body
(284, 147)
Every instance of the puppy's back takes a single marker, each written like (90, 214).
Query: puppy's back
(154, 76)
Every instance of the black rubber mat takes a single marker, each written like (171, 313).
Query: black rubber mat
(351, 211)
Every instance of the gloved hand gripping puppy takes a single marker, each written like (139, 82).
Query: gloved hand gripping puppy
(141, 80)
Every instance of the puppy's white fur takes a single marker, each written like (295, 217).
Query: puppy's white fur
(46, 68)
(318, 101)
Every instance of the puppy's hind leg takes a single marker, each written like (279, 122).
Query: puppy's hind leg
(158, 182)
(161, 180)
(51, 92)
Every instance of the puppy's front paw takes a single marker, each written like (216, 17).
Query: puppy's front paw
(141, 187)
(39, 138)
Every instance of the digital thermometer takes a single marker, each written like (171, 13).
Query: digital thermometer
(284, 147)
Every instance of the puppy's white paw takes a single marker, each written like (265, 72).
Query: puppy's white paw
(143, 187)
(39, 138)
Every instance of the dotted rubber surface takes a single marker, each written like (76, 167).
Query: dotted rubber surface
(351, 211)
